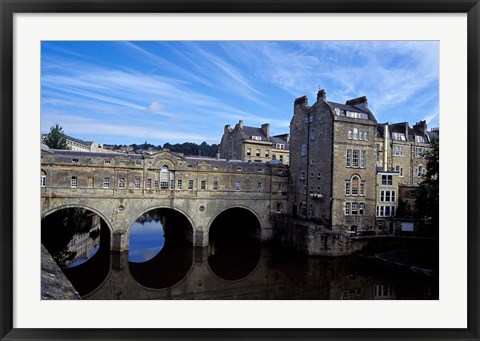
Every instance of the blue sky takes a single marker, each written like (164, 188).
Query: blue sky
(158, 91)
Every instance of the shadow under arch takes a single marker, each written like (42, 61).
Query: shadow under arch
(67, 231)
(174, 259)
(234, 243)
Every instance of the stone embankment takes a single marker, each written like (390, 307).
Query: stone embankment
(55, 286)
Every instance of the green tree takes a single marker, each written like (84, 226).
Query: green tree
(427, 193)
(56, 139)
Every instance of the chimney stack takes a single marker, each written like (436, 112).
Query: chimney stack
(359, 102)
(266, 130)
(240, 124)
(321, 95)
(301, 101)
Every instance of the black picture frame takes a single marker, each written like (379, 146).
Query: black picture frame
(7, 173)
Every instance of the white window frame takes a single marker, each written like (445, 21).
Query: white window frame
(74, 181)
(106, 182)
(43, 180)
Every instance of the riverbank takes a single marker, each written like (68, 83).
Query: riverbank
(55, 286)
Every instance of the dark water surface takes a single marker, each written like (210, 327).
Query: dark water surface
(240, 268)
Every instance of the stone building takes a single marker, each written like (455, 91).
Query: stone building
(253, 144)
(333, 173)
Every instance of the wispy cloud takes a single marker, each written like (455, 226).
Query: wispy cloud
(187, 91)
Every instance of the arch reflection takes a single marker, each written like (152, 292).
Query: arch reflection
(234, 244)
(79, 242)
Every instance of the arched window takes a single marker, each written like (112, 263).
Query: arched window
(355, 186)
(43, 179)
(164, 177)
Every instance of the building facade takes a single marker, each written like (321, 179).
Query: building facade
(253, 144)
(346, 169)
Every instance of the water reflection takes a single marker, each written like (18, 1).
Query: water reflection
(72, 236)
(236, 267)
(146, 240)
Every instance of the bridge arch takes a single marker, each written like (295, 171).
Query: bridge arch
(252, 212)
(94, 210)
(166, 207)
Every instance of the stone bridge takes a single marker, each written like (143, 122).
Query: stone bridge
(196, 191)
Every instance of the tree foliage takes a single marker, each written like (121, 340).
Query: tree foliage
(428, 190)
(56, 138)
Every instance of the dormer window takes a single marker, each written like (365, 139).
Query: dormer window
(257, 138)
(419, 139)
(279, 146)
(398, 136)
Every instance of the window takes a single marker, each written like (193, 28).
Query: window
(179, 184)
(302, 175)
(318, 175)
(164, 177)
(363, 158)
(280, 187)
(354, 208)
(349, 158)
(43, 180)
(149, 183)
(74, 182)
(387, 196)
(203, 184)
(249, 151)
(75, 161)
(106, 182)
(419, 152)
(106, 162)
(190, 184)
(313, 135)
(259, 187)
(267, 153)
(281, 158)
(355, 185)
(398, 136)
(378, 152)
(355, 133)
(399, 170)
(347, 208)
(387, 180)
(347, 188)
(257, 138)
(355, 158)
(280, 146)
(257, 152)
(311, 189)
(237, 185)
(365, 135)
(398, 150)
(419, 139)
(121, 182)
(318, 189)
(304, 149)
(156, 184)
(215, 185)
(136, 182)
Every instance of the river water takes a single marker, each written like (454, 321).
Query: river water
(157, 268)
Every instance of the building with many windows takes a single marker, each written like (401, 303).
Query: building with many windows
(346, 170)
(253, 144)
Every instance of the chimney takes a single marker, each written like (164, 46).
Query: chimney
(226, 129)
(301, 101)
(240, 124)
(421, 127)
(217, 154)
(321, 95)
(359, 102)
(266, 130)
